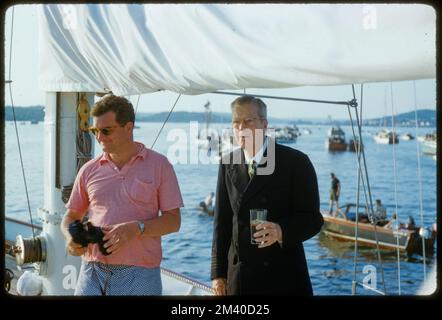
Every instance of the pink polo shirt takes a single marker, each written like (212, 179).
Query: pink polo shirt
(145, 185)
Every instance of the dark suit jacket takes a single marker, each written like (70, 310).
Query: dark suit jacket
(291, 197)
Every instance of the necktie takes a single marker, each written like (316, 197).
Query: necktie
(251, 169)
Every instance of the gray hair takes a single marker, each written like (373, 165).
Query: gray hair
(262, 108)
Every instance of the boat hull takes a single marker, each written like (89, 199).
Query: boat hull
(354, 147)
(335, 146)
(429, 147)
(405, 240)
(386, 137)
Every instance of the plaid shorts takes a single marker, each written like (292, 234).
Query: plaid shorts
(98, 279)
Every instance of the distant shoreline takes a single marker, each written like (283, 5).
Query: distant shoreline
(426, 118)
(271, 124)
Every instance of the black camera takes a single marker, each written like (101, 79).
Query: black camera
(89, 234)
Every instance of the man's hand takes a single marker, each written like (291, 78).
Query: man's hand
(119, 234)
(268, 233)
(75, 249)
(219, 286)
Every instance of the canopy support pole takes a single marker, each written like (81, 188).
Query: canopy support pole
(352, 103)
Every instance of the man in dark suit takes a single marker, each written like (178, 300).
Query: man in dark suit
(263, 175)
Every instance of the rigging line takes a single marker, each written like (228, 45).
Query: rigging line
(360, 176)
(10, 47)
(165, 121)
(138, 100)
(15, 125)
(418, 153)
(362, 95)
(369, 194)
(359, 122)
(353, 290)
(351, 103)
(395, 187)
(370, 208)
(354, 282)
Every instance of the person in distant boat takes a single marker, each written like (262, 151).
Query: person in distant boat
(209, 201)
(380, 213)
(434, 229)
(208, 204)
(262, 174)
(335, 191)
(123, 190)
(393, 223)
(411, 224)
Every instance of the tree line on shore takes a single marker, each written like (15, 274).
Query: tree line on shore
(426, 116)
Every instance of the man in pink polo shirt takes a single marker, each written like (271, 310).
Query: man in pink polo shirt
(123, 190)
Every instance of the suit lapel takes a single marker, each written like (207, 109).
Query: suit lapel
(250, 187)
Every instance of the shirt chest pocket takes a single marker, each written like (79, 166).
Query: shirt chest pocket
(143, 193)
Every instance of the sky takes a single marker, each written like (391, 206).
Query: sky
(26, 91)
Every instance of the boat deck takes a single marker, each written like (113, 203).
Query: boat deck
(174, 284)
(11, 265)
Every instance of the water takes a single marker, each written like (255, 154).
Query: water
(330, 262)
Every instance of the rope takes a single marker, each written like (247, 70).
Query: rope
(359, 122)
(164, 123)
(136, 107)
(395, 188)
(421, 210)
(360, 179)
(15, 125)
(183, 278)
(361, 151)
(32, 249)
(358, 150)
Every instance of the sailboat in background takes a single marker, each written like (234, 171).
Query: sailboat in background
(429, 144)
(385, 136)
(207, 139)
(212, 139)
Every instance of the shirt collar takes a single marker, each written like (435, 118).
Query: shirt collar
(143, 153)
(258, 156)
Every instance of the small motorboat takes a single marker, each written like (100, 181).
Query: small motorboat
(407, 136)
(208, 205)
(209, 210)
(386, 136)
(429, 144)
(355, 145)
(336, 139)
(343, 228)
(287, 134)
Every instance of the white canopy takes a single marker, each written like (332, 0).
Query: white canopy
(197, 48)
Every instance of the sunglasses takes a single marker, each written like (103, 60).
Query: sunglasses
(106, 131)
(247, 122)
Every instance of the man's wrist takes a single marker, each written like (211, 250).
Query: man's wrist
(279, 233)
